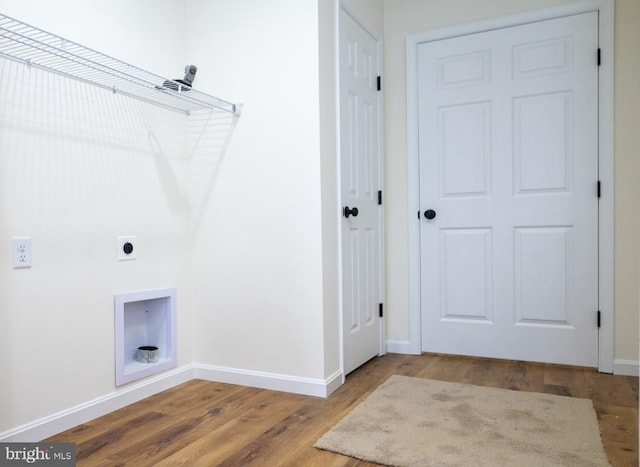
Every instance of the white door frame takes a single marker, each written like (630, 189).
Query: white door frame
(344, 9)
(605, 164)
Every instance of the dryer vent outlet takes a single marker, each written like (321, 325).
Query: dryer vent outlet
(126, 247)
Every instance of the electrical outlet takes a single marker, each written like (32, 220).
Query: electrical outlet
(126, 247)
(21, 252)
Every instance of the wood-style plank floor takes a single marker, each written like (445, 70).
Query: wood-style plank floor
(202, 423)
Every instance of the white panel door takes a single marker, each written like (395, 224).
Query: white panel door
(360, 169)
(509, 168)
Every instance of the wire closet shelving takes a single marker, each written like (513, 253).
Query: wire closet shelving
(35, 47)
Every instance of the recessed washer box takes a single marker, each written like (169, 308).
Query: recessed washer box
(145, 318)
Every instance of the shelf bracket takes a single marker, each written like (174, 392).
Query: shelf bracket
(38, 48)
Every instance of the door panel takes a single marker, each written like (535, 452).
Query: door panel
(360, 153)
(542, 139)
(466, 291)
(508, 161)
(464, 162)
(543, 282)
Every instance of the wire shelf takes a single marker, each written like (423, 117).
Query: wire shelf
(35, 47)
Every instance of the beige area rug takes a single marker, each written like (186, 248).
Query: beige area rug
(422, 422)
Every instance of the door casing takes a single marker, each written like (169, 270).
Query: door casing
(605, 163)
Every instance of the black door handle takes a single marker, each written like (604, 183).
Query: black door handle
(350, 212)
(430, 214)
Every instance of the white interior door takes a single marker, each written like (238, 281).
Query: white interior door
(360, 173)
(508, 147)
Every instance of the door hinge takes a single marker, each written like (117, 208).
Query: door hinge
(381, 314)
(599, 56)
(599, 317)
(379, 197)
(599, 189)
(379, 83)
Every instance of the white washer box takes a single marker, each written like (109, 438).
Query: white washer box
(145, 318)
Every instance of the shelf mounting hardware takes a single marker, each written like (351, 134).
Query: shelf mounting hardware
(40, 49)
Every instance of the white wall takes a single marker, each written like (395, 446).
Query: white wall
(80, 166)
(403, 17)
(230, 211)
(258, 262)
(627, 168)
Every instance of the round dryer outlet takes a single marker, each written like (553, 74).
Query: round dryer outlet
(126, 247)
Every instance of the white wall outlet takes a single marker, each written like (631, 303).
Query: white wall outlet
(21, 252)
(126, 247)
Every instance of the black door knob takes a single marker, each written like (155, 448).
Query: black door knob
(429, 214)
(350, 212)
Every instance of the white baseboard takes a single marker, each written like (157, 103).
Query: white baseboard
(82, 413)
(402, 347)
(333, 382)
(620, 367)
(48, 426)
(273, 381)
(626, 367)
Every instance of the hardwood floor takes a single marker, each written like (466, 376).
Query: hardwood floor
(202, 423)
